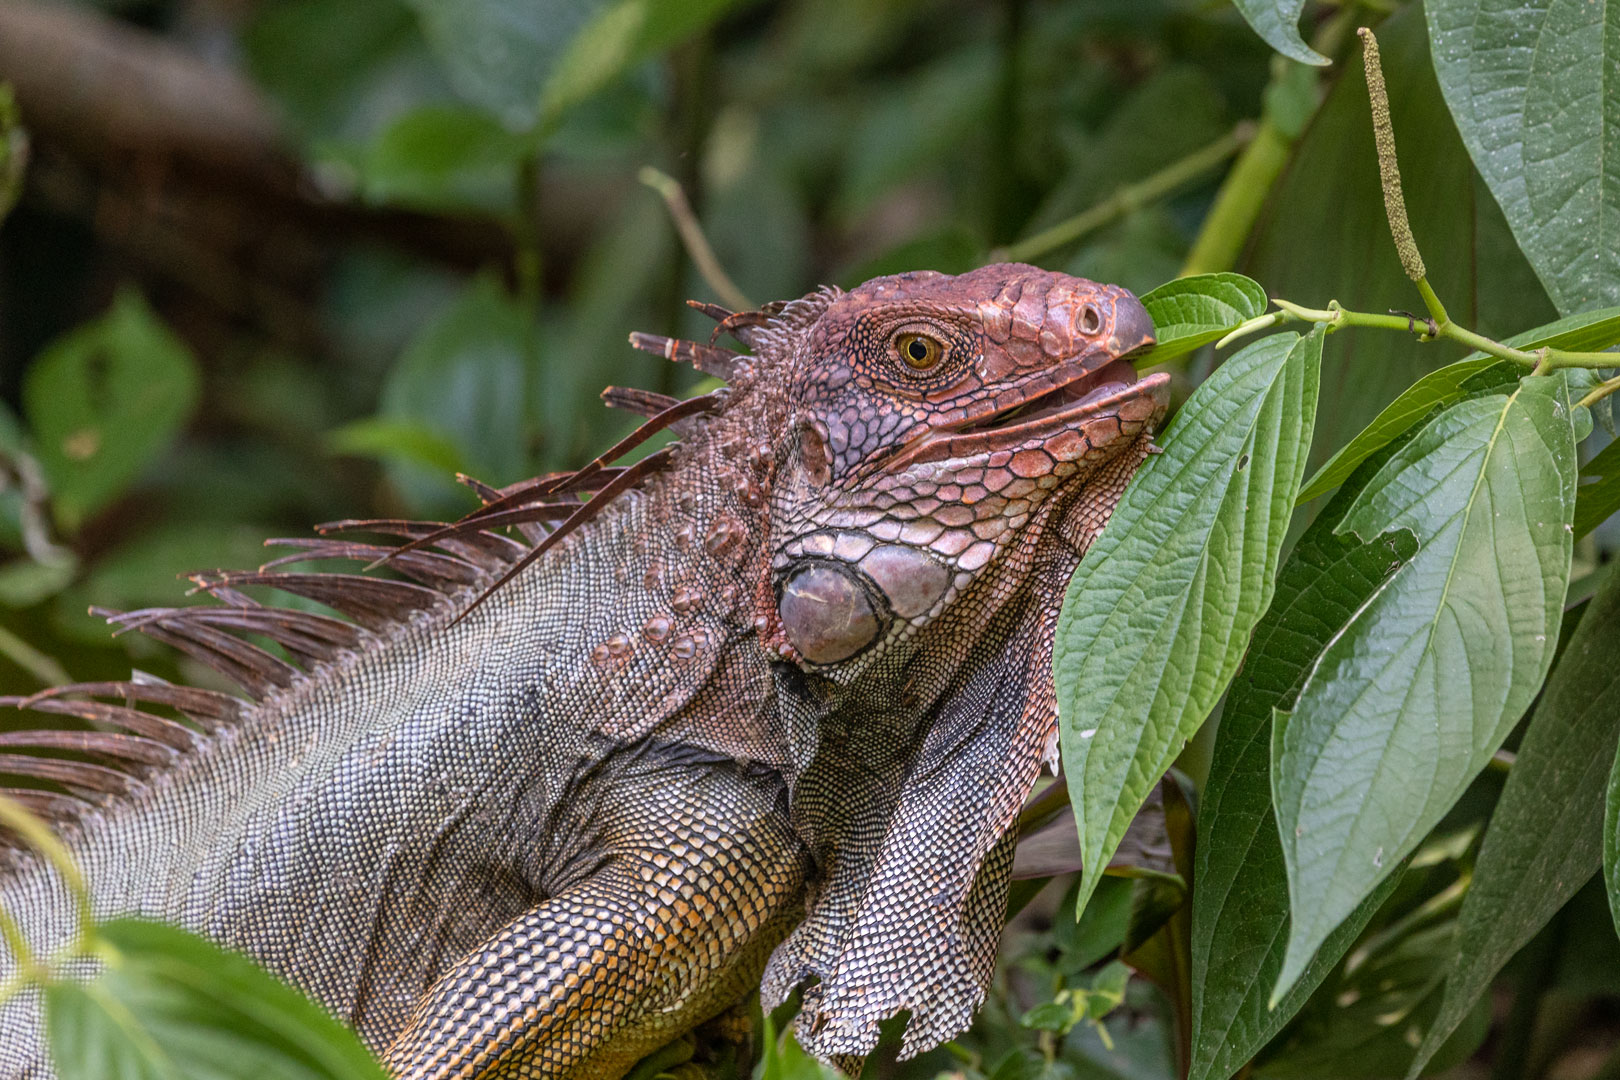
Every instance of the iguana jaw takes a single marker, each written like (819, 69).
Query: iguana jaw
(1042, 421)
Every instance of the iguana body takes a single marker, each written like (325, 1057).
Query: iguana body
(559, 804)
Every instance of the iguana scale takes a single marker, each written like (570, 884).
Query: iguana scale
(625, 741)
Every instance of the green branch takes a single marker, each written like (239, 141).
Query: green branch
(1130, 197)
(1335, 317)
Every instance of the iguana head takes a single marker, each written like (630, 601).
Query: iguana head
(953, 445)
(933, 417)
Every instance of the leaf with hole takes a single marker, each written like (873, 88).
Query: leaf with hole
(104, 402)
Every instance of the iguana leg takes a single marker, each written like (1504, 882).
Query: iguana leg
(700, 884)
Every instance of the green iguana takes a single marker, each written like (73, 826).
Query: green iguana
(766, 701)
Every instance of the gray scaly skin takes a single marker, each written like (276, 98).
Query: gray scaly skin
(781, 687)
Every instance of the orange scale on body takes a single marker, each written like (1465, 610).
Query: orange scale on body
(998, 480)
(1031, 463)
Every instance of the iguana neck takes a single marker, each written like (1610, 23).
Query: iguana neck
(673, 588)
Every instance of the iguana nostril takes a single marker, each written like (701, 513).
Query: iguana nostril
(1090, 321)
(826, 614)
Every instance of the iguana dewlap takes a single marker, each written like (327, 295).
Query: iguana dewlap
(584, 769)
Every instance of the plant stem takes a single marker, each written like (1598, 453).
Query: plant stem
(1602, 389)
(38, 664)
(527, 234)
(1238, 202)
(1541, 361)
(1130, 197)
(697, 245)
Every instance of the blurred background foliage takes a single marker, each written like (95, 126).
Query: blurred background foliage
(274, 262)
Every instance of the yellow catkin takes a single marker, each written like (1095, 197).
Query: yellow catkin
(1388, 168)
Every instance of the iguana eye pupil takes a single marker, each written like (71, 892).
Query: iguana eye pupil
(919, 350)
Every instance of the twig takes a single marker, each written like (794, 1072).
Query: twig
(697, 245)
(1131, 197)
(1540, 362)
(1602, 389)
(40, 665)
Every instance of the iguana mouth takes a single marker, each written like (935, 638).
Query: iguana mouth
(1113, 389)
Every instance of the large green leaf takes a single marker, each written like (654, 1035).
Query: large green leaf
(1323, 235)
(1598, 496)
(1277, 21)
(619, 36)
(444, 158)
(1240, 905)
(105, 401)
(1193, 311)
(1590, 330)
(1157, 617)
(1546, 835)
(529, 61)
(1533, 87)
(1422, 686)
(500, 53)
(170, 1005)
(1362, 1027)
(341, 72)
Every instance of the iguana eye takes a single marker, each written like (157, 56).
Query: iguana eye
(919, 351)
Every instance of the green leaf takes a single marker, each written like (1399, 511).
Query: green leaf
(1240, 907)
(463, 381)
(104, 402)
(1332, 182)
(1588, 331)
(1100, 928)
(1277, 21)
(24, 582)
(397, 440)
(446, 158)
(1157, 616)
(1533, 89)
(341, 72)
(1546, 836)
(499, 54)
(170, 1005)
(1422, 686)
(1193, 311)
(1598, 496)
(1364, 1029)
(617, 38)
(784, 1059)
